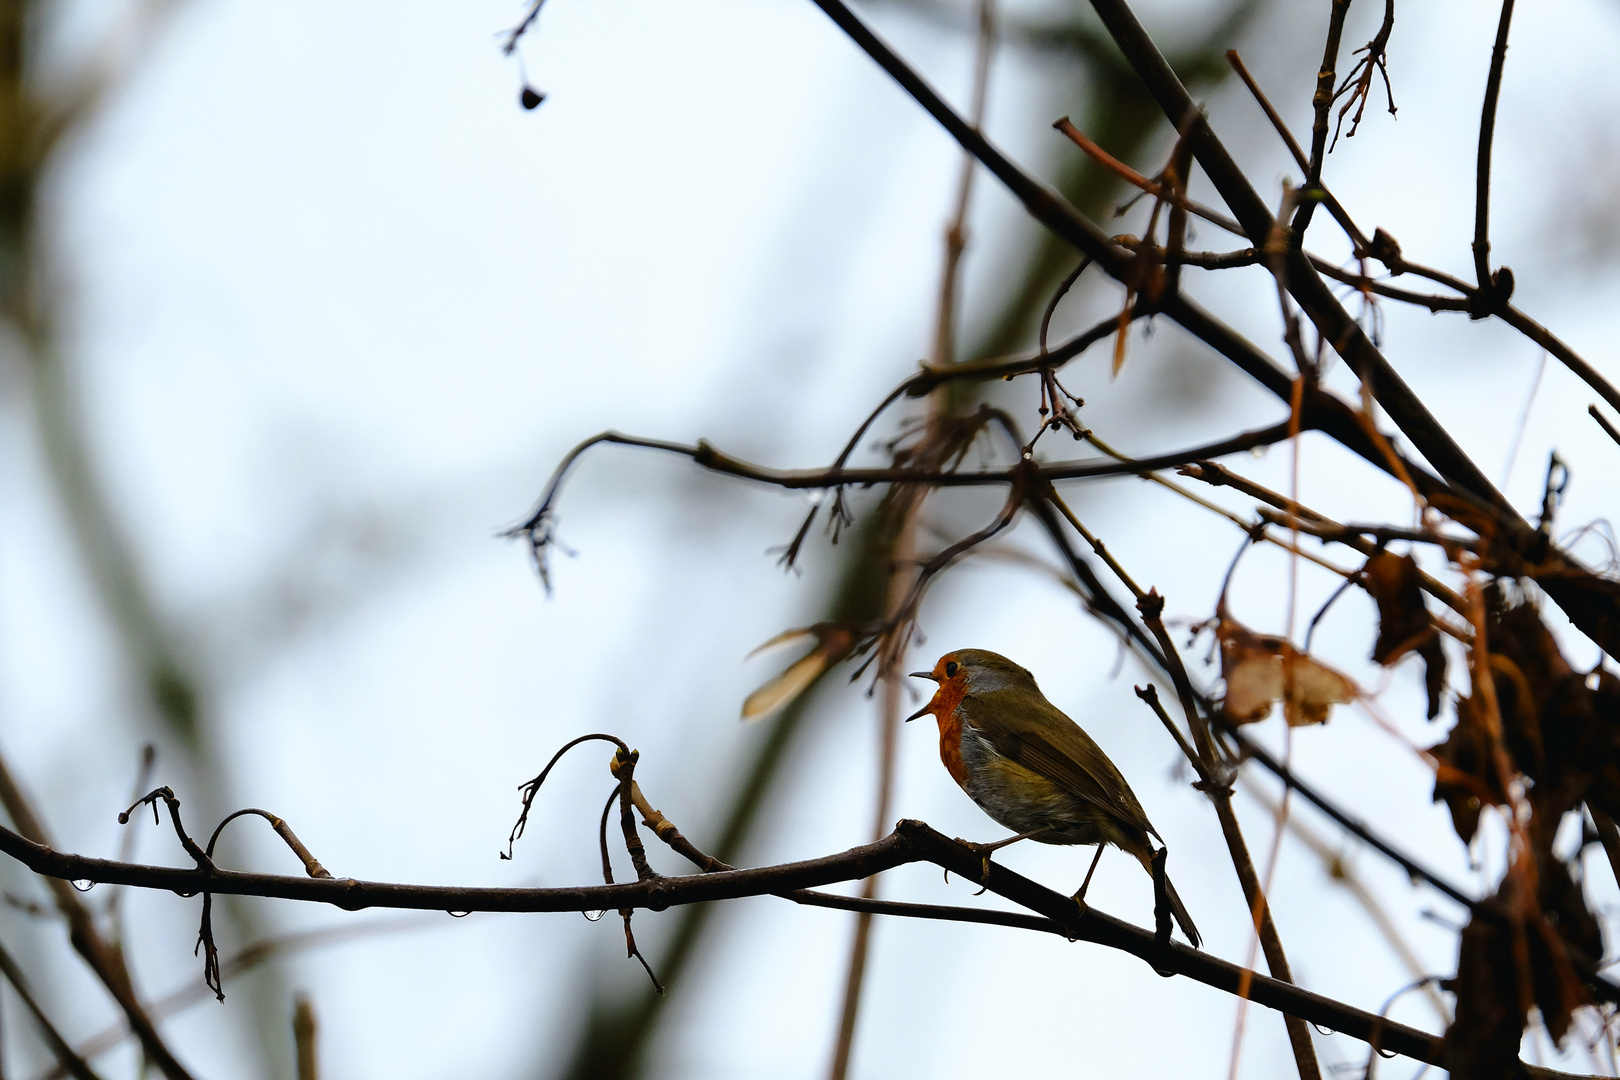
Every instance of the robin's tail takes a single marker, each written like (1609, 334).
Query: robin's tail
(1179, 910)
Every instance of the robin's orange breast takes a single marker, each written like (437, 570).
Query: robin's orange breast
(947, 706)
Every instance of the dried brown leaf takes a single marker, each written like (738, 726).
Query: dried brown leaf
(1260, 670)
(1483, 1041)
(1565, 926)
(1404, 625)
(1464, 779)
(832, 645)
(1516, 953)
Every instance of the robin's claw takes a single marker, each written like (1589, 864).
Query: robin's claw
(983, 852)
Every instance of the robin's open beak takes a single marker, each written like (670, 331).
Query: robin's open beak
(924, 710)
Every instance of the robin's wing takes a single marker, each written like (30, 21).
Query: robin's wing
(1054, 746)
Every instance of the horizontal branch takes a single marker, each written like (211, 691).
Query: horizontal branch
(705, 455)
(351, 894)
(912, 841)
(1405, 296)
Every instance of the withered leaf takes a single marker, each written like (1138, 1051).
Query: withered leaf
(1515, 954)
(1260, 670)
(1597, 742)
(1552, 723)
(1404, 625)
(1465, 779)
(832, 645)
(1567, 926)
(1483, 1040)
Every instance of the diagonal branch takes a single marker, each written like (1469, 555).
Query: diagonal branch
(1336, 325)
(106, 962)
(1592, 603)
(71, 1063)
(1404, 407)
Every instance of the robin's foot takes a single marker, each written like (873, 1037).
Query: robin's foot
(1086, 884)
(983, 851)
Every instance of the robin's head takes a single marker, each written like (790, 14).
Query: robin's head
(965, 670)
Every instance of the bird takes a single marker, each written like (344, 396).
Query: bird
(1033, 769)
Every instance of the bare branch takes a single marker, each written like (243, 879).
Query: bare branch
(106, 962)
(912, 841)
(1334, 324)
(1493, 289)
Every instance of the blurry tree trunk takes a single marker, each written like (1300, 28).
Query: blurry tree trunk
(36, 125)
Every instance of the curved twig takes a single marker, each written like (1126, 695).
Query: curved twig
(312, 865)
(532, 788)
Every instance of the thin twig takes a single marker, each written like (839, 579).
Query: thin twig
(1333, 323)
(1323, 266)
(1482, 172)
(1321, 102)
(1567, 356)
(1150, 607)
(1322, 99)
(1136, 179)
(1315, 523)
(1608, 428)
(1315, 192)
(312, 865)
(1357, 85)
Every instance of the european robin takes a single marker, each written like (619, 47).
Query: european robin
(1033, 769)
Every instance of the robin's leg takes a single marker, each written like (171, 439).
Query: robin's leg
(1080, 897)
(984, 851)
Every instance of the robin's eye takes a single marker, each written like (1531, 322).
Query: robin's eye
(950, 670)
